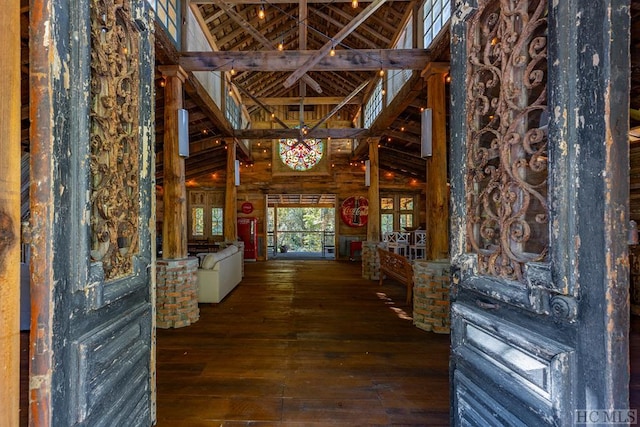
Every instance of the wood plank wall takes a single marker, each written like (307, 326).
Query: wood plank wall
(344, 180)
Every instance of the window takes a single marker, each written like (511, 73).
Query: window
(373, 106)
(435, 15)
(168, 14)
(206, 215)
(217, 215)
(397, 212)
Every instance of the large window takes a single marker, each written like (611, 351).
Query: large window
(436, 13)
(206, 215)
(398, 211)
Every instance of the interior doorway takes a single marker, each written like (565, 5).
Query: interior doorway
(301, 226)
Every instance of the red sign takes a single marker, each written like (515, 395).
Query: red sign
(247, 207)
(355, 211)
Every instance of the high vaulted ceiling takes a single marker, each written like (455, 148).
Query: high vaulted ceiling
(305, 73)
(304, 26)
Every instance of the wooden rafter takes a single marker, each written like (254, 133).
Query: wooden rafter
(335, 133)
(283, 1)
(348, 29)
(309, 100)
(263, 106)
(260, 38)
(344, 60)
(339, 106)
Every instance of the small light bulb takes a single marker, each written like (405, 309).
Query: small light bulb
(332, 52)
(280, 46)
(233, 72)
(381, 73)
(354, 3)
(261, 13)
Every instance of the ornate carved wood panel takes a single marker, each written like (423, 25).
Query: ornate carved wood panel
(114, 137)
(506, 183)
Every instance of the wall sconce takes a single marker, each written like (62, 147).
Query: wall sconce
(426, 148)
(367, 173)
(237, 173)
(183, 132)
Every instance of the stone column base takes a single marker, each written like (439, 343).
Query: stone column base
(431, 280)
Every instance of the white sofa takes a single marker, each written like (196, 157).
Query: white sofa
(219, 273)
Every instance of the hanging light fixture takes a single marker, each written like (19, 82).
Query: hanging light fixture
(332, 52)
(281, 45)
(354, 4)
(261, 12)
(381, 72)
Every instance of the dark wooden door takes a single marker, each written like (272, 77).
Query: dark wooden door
(539, 162)
(91, 202)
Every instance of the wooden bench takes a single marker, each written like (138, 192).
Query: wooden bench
(397, 267)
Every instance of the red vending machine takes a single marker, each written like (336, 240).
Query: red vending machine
(247, 232)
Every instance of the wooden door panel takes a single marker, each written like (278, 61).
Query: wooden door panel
(92, 349)
(111, 355)
(539, 211)
(534, 370)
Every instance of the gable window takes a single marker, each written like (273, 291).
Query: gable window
(398, 211)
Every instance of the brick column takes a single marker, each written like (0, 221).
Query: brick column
(370, 261)
(177, 293)
(431, 295)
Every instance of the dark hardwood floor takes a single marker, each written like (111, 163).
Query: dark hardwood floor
(304, 343)
(307, 343)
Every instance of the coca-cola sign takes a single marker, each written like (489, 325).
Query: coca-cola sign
(355, 211)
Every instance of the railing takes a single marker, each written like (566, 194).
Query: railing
(301, 241)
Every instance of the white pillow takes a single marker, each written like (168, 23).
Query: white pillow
(209, 261)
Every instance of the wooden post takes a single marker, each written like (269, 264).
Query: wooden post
(174, 225)
(373, 224)
(230, 195)
(437, 188)
(10, 214)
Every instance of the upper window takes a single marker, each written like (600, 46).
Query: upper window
(435, 15)
(167, 13)
(374, 105)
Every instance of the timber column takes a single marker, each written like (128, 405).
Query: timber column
(10, 215)
(230, 196)
(373, 220)
(174, 226)
(437, 188)
(177, 288)
(370, 262)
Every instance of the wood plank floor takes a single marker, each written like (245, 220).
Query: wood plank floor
(304, 343)
(307, 343)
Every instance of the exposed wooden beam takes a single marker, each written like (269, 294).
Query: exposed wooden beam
(263, 106)
(201, 96)
(309, 100)
(289, 60)
(403, 136)
(341, 35)
(335, 133)
(260, 38)
(282, 1)
(339, 106)
(330, 19)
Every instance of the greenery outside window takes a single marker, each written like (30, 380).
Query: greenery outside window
(398, 211)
